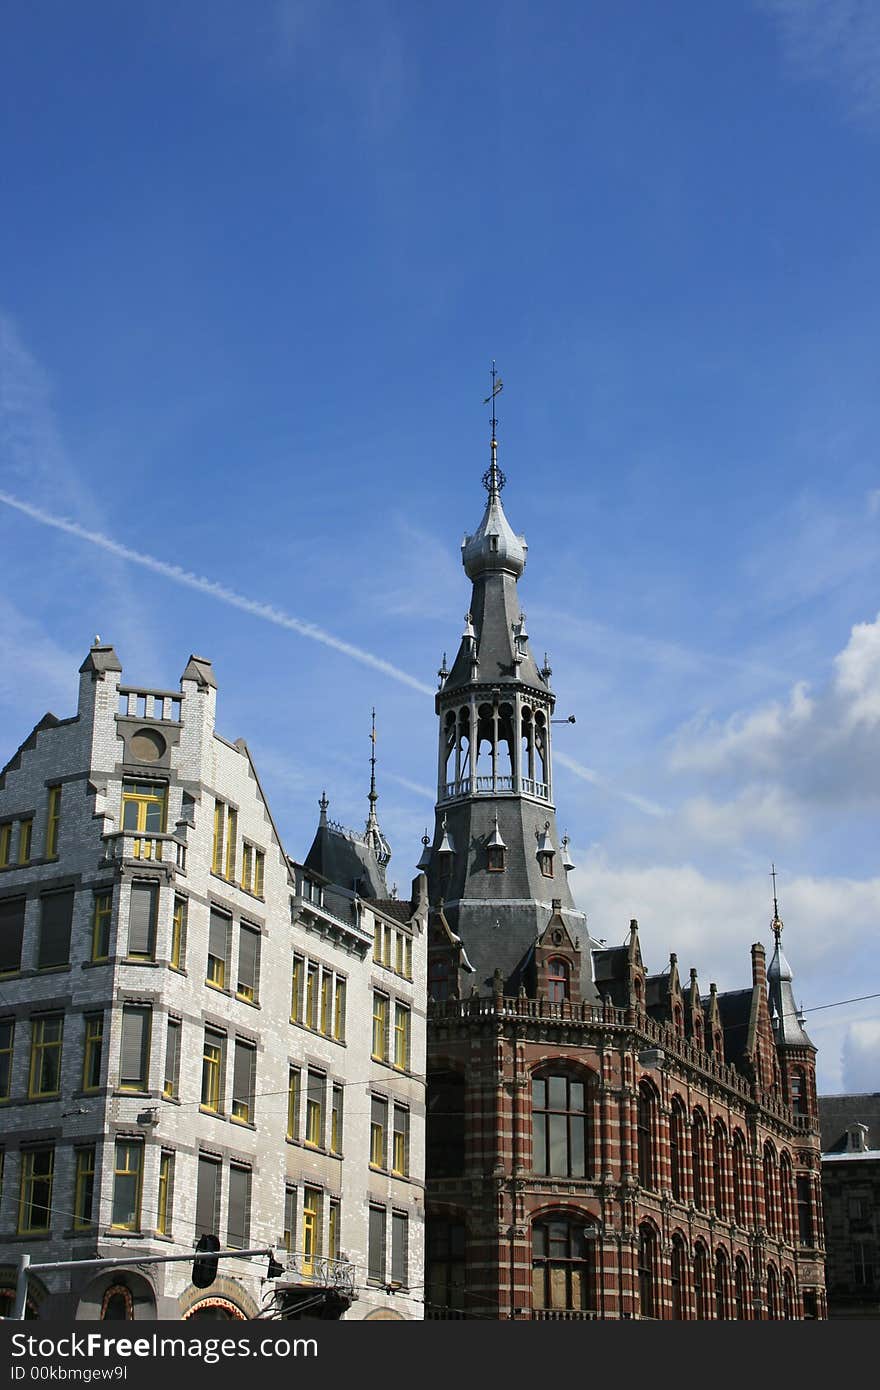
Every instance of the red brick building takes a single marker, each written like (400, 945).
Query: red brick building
(602, 1142)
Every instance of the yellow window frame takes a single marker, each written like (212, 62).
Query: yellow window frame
(212, 1064)
(26, 1188)
(401, 1036)
(126, 1170)
(42, 1048)
(101, 920)
(53, 818)
(25, 837)
(380, 1027)
(85, 1170)
(93, 1041)
(163, 1213)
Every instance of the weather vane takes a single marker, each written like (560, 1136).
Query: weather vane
(493, 478)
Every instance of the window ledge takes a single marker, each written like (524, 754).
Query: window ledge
(242, 1124)
(171, 1100)
(141, 960)
(117, 1233)
(215, 1114)
(53, 969)
(178, 969)
(251, 1003)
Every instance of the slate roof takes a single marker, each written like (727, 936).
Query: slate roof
(735, 1008)
(837, 1112)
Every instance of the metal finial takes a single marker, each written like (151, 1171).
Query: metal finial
(777, 925)
(493, 478)
(374, 795)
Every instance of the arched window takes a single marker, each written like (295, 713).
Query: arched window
(719, 1168)
(647, 1271)
(563, 1276)
(678, 1021)
(677, 1268)
(557, 980)
(117, 1304)
(739, 1178)
(799, 1091)
(701, 1282)
(722, 1286)
(772, 1293)
(787, 1296)
(698, 1159)
(771, 1215)
(560, 1107)
(677, 1131)
(446, 1282)
(740, 1289)
(444, 1124)
(645, 1125)
(786, 1185)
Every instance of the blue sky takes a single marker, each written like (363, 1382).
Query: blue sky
(256, 261)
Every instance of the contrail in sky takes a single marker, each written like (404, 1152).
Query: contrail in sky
(587, 774)
(270, 614)
(266, 611)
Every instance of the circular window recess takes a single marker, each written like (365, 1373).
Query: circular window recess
(147, 746)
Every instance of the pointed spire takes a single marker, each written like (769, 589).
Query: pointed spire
(493, 478)
(443, 672)
(425, 861)
(445, 846)
(776, 924)
(323, 806)
(372, 834)
(495, 841)
(567, 861)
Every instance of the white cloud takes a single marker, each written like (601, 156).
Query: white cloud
(711, 921)
(836, 42)
(820, 749)
(861, 1056)
(764, 811)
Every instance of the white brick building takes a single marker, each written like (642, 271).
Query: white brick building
(197, 1034)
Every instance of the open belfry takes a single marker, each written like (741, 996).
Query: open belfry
(602, 1142)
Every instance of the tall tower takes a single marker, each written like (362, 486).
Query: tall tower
(497, 868)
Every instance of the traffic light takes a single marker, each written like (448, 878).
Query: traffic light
(204, 1270)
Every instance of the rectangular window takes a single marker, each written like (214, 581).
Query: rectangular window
(35, 1191)
(376, 1253)
(143, 907)
(178, 933)
(293, 1092)
(5, 842)
(312, 996)
(247, 865)
(313, 1211)
(231, 842)
(288, 1239)
(45, 1072)
(7, 1038)
(170, 1081)
(296, 990)
(93, 1046)
(208, 1197)
(143, 808)
(400, 1144)
(134, 1053)
(11, 934)
(165, 1201)
(399, 958)
(244, 1071)
(56, 915)
(386, 946)
(84, 1190)
(101, 917)
(25, 836)
(326, 1001)
(127, 1183)
(805, 1211)
(315, 1091)
(378, 1128)
(339, 1010)
(333, 1235)
(399, 1248)
(407, 969)
(212, 1072)
(239, 1220)
(53, 818)
(259, 871)
(336, 1121)
(219, 826)
(218, 948)
(248, 986)
(377, 943)
(401, 1036)
(380, 1027)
